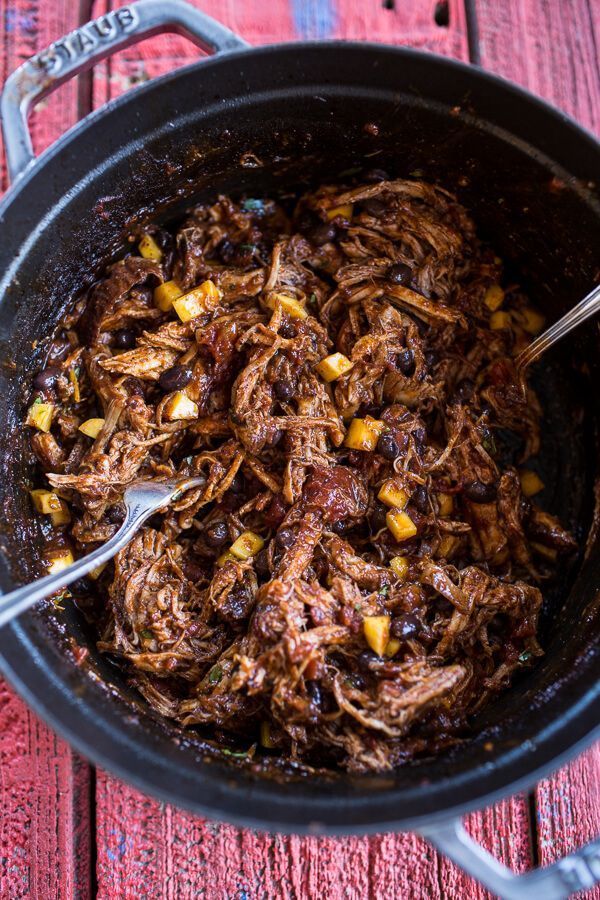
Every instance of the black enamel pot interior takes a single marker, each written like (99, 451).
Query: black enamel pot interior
(257, 121)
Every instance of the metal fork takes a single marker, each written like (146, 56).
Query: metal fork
(589, 306)
(141, 500)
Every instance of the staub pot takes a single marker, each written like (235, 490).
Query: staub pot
(255, 119)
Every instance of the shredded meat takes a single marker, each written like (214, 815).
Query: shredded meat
(274, 644)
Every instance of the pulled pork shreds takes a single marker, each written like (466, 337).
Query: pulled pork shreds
(314, 645)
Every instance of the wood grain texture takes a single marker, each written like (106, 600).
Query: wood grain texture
(44, 798)
(28, 27)
(45, 836)
(146, 848)
(548, 46)
(552, 49)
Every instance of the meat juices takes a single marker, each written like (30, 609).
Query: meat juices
(359, 574)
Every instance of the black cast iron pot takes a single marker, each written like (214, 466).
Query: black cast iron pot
(255, 120)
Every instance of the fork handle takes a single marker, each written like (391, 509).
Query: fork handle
(22, 598)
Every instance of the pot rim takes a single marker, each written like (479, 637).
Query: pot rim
(25, 668)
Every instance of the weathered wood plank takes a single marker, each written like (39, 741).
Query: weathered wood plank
(552, 49)
(44, 798)
(549, 47)
(568, 809)
(45, 790)
(29, 26)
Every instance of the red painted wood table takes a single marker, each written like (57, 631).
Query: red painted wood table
(69, 831)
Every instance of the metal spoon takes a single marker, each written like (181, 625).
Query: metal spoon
(588, 307)
(141, 500)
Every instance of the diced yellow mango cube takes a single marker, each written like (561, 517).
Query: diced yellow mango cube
(363, 434)
(393, 495)
(248, 544)
(447, 546)
(165, 294)
(44, 501)
(74, 379)
(265, 736)
(97, 571)
(149, 249)
(494, 297)
(392, 647)
(531, 320)
(345, 211)
(60, 561)
(61, 516)
(399, 566)
(333, 366)
(91, 427)
(39, 415)
(200, 300)
(531, 483)
(400, 524)
(445, 504)
(179, 406)
(500, 320)
(289, 305)
(225, 557)
(377, 632)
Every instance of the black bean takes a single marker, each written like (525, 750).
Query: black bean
(217, 534)
(479, 492)
(226, 251)
(431, 359)
(287, 330)
(377, 518)
(134, 386)
(323, 234)
(367, 659)
(261, 564)
(340, 527)
(285, 538)
(406, 362)
(405, 626)
(115, 514)
(464, 389)
(420, 499)
(175, 378)
(313, 689)
(374, 176)
(283, 390)
(388, 446)
(124, 339)
(306, 220)
(399, 273)
(374, 207)
(276, 437)
(46, 379)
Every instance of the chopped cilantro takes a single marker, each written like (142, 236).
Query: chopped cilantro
(238, 754)
(215, 674)
(248, 247)
(146, 633)
(251, 205)
(525, 656)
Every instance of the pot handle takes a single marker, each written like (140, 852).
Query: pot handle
(85, 46)
(578, 871)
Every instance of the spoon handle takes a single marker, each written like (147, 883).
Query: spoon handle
(586, 308)
(22, 598)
